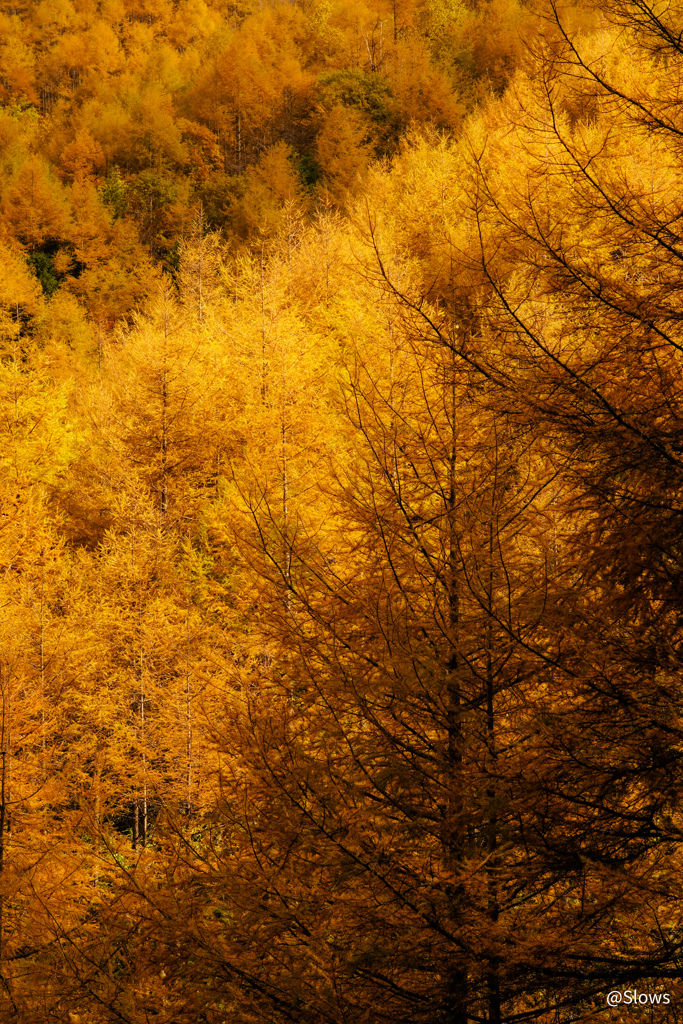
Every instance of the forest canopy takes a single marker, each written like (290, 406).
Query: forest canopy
(340, 511)
(122, 120)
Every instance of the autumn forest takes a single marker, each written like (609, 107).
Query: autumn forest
(341, 511)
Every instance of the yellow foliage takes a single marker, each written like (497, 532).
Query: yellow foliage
(19, 288)
(269, 186)
(342, 149)
(35, 204)
(82, 156)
